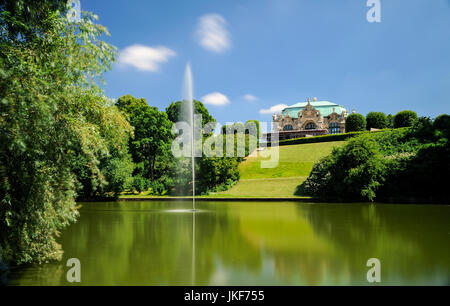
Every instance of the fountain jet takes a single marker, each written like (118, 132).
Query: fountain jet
(188, 117)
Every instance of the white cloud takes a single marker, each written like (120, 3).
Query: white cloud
(215, 98)
(250, 98)
(273, 110)
(145, 58)
(212, 33)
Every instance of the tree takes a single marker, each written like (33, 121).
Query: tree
(376, 120)
(152, 133)
(129, 105)
(212, 173)
(174, 112)
(405, 119)
(217, 172)
(116, 169)
(442, 124)
(51, 109)
(355, 123)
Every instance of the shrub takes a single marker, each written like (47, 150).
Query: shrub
(215, 172)
(158, 188)
(423, 130)
(322, 138)
(376, 120)
(405, 119)
(400, 164)
(354, 172)
(442, 123)
(421, 177)
(355, 123)
(140, 183)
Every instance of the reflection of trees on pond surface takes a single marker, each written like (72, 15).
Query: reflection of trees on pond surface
(137, 246)
(145, 244)
(252, 243)
(412, 241)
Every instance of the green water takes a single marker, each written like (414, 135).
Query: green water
(254, 243)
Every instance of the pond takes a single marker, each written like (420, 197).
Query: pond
(251, 243)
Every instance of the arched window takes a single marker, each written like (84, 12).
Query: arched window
(335, 128)
(288, 127)
(310, 126)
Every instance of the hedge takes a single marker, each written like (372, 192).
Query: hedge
(322, 138)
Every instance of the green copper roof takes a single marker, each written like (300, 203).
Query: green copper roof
(325, 108)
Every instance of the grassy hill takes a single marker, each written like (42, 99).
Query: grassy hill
(295, 164)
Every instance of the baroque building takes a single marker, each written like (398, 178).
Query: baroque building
(309, 119)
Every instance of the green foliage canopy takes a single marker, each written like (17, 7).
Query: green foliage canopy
(174, 112)
(355, 123)
(442, 124)
(50, 110)
(152, 133)
(405, 119)
(392, 164)
(376, 120)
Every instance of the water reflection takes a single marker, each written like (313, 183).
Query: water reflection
(137, 243)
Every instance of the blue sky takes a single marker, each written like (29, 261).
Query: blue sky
(280, 52)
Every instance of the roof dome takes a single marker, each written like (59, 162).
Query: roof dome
(325, 108)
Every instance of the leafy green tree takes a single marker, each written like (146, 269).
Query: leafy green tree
(217, 172)
(376, 120)
(405, 119)
(50, 110)
(116, 170)
(442, 124)
(212, 173)
(130, 105)
(355, 123)
(116, 167)
(174, 112)
(152, 133)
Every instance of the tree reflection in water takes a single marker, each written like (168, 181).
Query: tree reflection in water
(141, 243)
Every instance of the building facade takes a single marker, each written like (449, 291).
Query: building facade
(307, 119)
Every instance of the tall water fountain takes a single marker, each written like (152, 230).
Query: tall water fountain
(187, 113)
(188, 117)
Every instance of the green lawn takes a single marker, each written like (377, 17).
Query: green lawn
(295, 164)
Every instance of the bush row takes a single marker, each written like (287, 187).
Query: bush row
(322, 138)
(409, 163)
